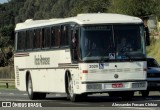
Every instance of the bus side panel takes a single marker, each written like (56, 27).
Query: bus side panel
(75, 74)
(20, 74)
(47, 69)
(48, 80)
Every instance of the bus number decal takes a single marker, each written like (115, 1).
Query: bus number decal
(93, 66)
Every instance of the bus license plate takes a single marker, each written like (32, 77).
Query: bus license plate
(117, 85)
(138, 85)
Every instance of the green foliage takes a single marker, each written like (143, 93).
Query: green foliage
(16, 11)
(93, 6)
(153, 50)
(135, 7)
(6, 35)
(34, 9)
(8, 12)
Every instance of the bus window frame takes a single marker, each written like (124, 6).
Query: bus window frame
(30, 34)
(16, 37)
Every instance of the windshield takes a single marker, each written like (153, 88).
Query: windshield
(96, 41)
(129, 41)
(112, 42)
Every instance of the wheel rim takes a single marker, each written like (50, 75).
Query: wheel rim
(29, 87)
(70, 87)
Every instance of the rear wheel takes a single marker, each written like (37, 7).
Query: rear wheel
(145, 93)
(41, 95)
(127, 95)
(114, 94)
(33, 95)
(70, 91)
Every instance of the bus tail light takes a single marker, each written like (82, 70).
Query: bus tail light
(85, 71)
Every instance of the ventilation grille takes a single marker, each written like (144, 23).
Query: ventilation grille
(17, 76)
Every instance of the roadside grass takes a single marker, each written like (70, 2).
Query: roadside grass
(2, 87)
(154, 49)
(7, 73)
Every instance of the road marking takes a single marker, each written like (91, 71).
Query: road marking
(6, 93)
(11, 93)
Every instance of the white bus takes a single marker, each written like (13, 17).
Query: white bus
(80, 56)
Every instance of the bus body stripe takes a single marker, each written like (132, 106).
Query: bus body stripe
(21, 54)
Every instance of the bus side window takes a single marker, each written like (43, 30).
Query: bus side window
(64, 36)
(74, 45)
(43, 38)
(29, 38)
(21, 40)
(57, 36)
(36, 39)
(147, 35)
(53, 37)
(47, 36)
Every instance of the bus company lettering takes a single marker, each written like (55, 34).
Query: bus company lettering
(39, 60)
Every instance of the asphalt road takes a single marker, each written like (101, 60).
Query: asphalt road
(93, 102)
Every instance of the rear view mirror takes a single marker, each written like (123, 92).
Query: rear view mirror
(147, 36)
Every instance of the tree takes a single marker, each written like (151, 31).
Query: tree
(6, 35)
(93, 6)
(134, 7)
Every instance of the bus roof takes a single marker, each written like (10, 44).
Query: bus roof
(81, 19)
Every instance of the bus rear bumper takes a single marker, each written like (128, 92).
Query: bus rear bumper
(116, 86)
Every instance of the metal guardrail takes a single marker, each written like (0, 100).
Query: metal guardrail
(7, 72)
(7, 82)
(7, 76)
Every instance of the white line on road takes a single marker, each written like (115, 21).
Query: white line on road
(7, 94)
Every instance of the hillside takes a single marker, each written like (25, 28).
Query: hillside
(16, 11)
(154, 49)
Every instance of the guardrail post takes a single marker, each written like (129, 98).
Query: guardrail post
(7, 85)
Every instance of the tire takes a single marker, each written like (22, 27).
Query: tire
(70, 91)
(127, 96)
(113, 94)
(41, 95)
(82, 97)
(33, 95)
(145, 93)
